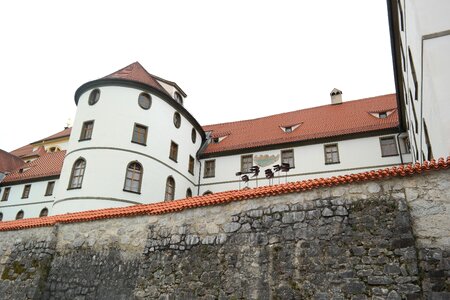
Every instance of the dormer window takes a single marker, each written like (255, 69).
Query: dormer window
(217, 139)
(382, 114)
(53, 149)
(290, 128)
(178, 98)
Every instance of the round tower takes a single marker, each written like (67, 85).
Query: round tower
(132, 142)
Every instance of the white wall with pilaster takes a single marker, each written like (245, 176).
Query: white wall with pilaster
(355, 155)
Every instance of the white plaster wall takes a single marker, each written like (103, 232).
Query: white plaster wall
(32, 205)
(356, 155)
(422, 18)
(110, 150)
(436, 93)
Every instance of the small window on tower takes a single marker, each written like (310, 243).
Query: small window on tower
(145, 100)
(193, 135)
(178, 98)
(173, 154)
(94, 96)
(86, 130)
(176, 120)
(139, 134)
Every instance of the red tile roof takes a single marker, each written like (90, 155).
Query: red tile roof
(64, 133)
(49, 164)
(9, 162)
(24, 151)
(225, 197)
(136, 72)
(27, 150)
(317, 122)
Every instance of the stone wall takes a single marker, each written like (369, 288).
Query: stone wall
(386, 239)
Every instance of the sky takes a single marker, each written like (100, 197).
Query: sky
(234, 59)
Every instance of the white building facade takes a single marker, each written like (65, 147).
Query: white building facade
(133, 142)
(420, 36)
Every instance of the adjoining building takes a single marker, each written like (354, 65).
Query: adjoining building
(133, 142)
(420, 39)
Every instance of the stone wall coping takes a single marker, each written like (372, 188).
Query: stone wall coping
(226, 197)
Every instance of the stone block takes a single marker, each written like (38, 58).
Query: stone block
(231, 227)
(379, 280)
(341, 211)
(355, 287)
(326, 212)
(280, 208)
(293, 217)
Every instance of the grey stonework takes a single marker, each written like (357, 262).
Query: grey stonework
(385, 239)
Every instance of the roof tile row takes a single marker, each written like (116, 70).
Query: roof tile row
(48, 164)
(225, 197)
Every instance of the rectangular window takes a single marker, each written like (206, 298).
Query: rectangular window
(388, 146)
(427, 141)
(210, 168)
(331, 154)
(6, 194)
(86, 130)
(414, 75)
(287, 156)
(191, 165)
(26, 191)
(173, 155)
(139, 134)
(402, 52)
(406, 145)
(400, 12)
(49, 189)
(416, 125)
(246, 163)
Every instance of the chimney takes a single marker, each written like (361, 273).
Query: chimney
(336, 96)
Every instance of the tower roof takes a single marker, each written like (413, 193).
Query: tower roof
(136, 72)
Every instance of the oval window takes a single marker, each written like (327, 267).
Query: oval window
(145, 101)
(193, 135)
(176, 120)
(94, 96)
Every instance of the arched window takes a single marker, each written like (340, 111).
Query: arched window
(188, 193)
(94, 96)
(207, 193)
(44, 213)
(20, 215)
(1, 217)
(170, 189)
(133, 177)
(76, 177)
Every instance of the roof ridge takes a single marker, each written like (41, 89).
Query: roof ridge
(226, 197)
(298, 110)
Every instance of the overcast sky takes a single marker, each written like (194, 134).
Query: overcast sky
(235, 59)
